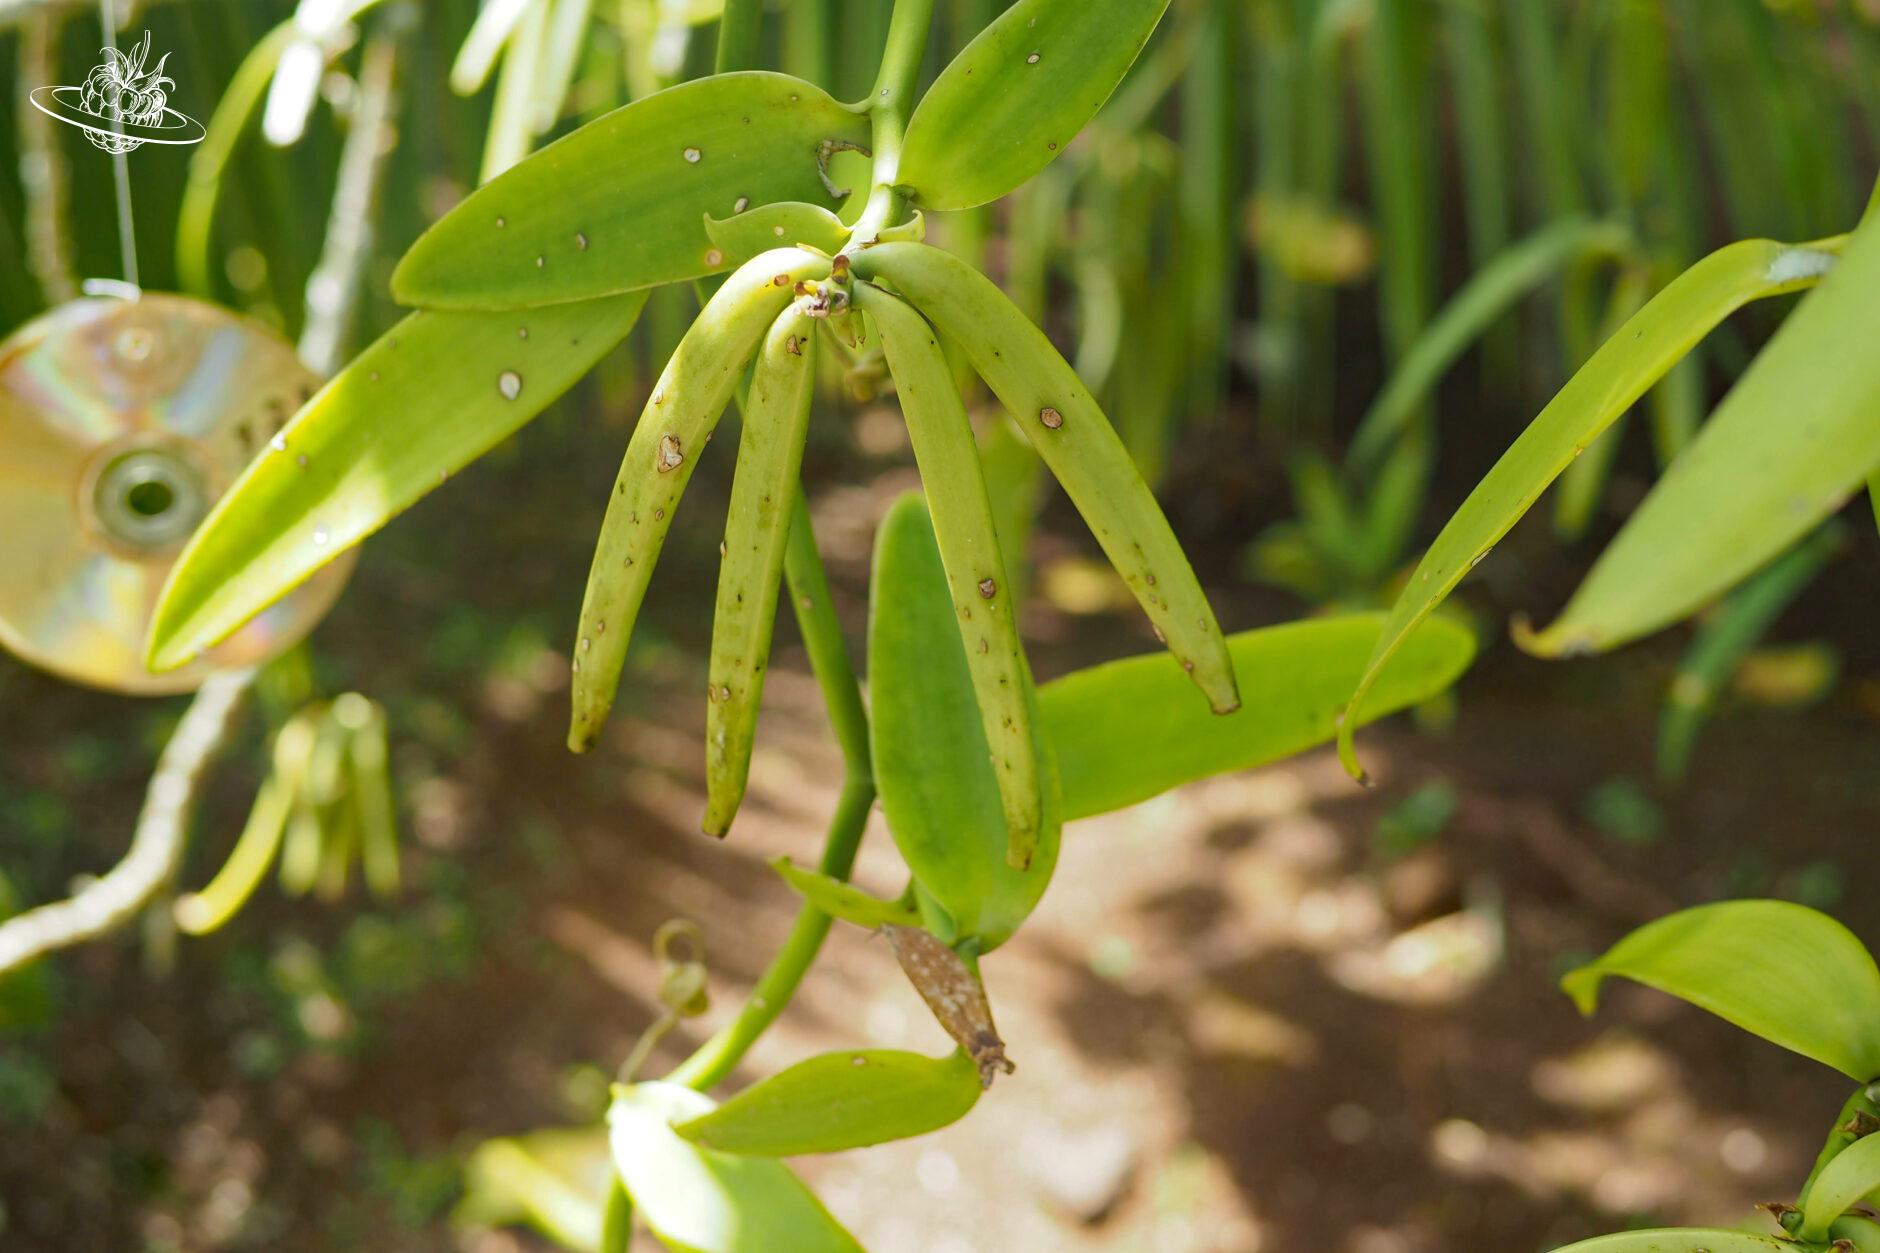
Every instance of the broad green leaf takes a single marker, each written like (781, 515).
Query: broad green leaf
(1853, 1173)
(845, 900)
(430, 396)
(932, 763)
(699, 1200)
(555, 1180)
(1794, 439)
(621, 203)
(840, 1101)
(1016, 96)
(786, 224)
(1782, 971)
(1624, 368)
(1681, 1240)
(1127, 730)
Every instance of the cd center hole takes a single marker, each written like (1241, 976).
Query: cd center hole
(150, 499)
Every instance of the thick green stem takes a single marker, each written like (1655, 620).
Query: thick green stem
(1856, 1118)
(889, 103)
(616, 1219)
(740, 35)
(822, 636)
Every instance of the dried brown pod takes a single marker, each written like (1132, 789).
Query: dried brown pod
(954, 994)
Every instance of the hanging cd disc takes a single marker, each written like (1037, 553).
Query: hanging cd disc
(121, 423)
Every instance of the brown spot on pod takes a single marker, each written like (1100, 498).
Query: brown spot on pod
(1032, 59)
(782, 280)
(580, 241)
(713, 257)
(671, 455)
(693, 156)
(988, 589)
(954, 994)
(793, 345)
(1050, 417)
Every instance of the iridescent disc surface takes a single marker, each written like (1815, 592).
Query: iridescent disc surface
(121, 422)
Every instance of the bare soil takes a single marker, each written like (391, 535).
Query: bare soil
(1239, 1023)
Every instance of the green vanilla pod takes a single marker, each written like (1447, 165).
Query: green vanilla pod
(931, 760)
(770, 453)
(1068, 428)
(675, 425)
(948, 457)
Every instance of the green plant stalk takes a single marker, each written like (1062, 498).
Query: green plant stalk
(1677, 408)
(1736, 119)
(1482, 144)
(512, 123)
(1276, 49)
(199, 913)
(1852, 1174)
(616, 1219)
(1545, 106)
(1399, 151)
(1482, 139)
(1723, 642)
(209, 160)
(829, 659)
(1205, 195)
(1495, 288)
(889, 103)
(1858, 1106)
(740, 36)
(808, 33)
(1400, 160)
(45, 178)
(1320, 165)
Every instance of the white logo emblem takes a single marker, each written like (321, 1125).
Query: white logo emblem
(121, 105)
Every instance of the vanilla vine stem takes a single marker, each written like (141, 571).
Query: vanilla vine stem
(808, 583)
(889, 103)
(829, 658)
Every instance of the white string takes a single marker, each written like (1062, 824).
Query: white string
(120, 165)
